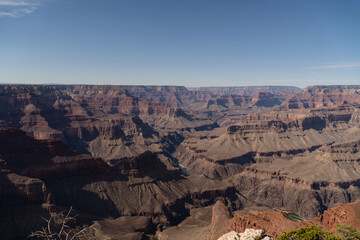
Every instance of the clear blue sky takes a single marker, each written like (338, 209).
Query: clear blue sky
(180, 42)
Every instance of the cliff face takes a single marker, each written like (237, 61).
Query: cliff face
(116, 99)
(39, 110)
(323, 96)
(260, 99)
(160, 94)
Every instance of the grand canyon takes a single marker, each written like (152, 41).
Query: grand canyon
(170, 162)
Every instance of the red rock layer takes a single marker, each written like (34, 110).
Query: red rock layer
(276, 223)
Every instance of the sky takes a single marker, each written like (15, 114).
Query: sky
(180, 42)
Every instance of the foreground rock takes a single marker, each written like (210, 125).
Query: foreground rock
(124, 228)
(249, 234)
(275, 223)
(212, 223)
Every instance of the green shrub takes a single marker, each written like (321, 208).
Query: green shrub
(310, 233)
(347, 232)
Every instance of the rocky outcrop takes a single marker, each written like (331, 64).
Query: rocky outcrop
(275, 223)
(249, 234)
(227, 102)
(218, 222)
(341, 214)
(220, 215)
(267, 99)
(124, 228)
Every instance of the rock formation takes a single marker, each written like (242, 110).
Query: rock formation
(249, 234)
(159, 157)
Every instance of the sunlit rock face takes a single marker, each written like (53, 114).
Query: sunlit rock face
(249, 234)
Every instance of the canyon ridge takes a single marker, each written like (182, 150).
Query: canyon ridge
(171, 162)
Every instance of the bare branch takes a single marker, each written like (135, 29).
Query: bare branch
(58, 229)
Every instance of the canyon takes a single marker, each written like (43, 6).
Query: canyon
(167, 161)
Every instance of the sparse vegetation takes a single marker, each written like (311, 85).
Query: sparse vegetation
(310, 233)
(313, 232)
(60, 227)
(348, 233)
